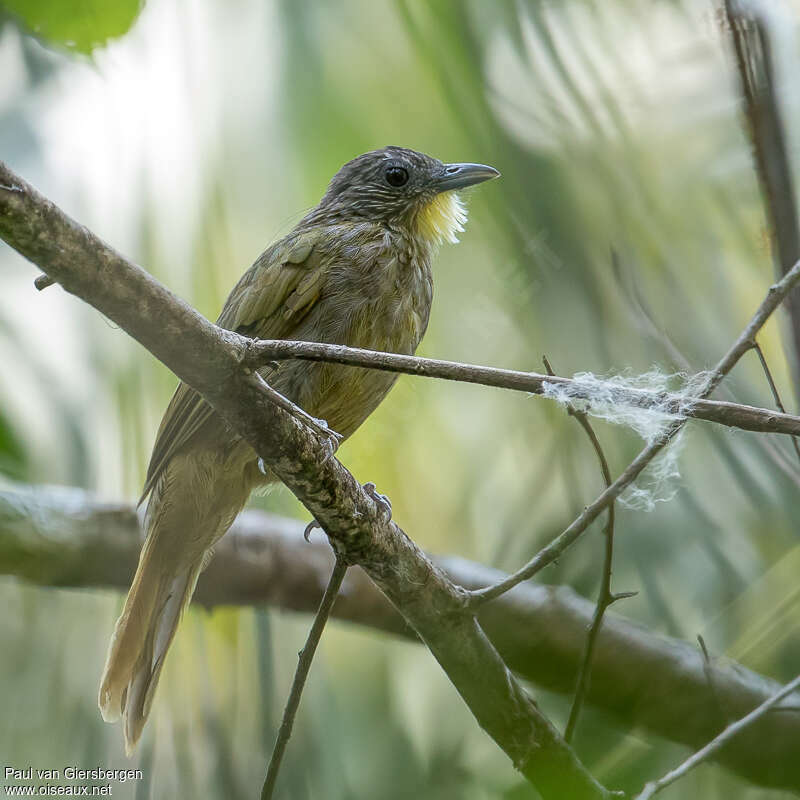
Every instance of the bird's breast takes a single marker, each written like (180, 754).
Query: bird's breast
(386, 287)
(378, 298)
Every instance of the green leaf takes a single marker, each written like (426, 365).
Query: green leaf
(80, 25)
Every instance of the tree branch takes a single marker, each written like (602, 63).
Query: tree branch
(65, 537)
(775, 296)
(774, 389)
(732, 731)
(305, 657)
(210, 360)
(733, 415)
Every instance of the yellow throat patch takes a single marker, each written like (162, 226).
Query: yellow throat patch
(442, 219)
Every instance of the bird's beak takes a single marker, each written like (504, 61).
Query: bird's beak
(459, 176)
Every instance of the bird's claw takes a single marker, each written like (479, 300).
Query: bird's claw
(309, 528)
(330, 439)
(381, 500)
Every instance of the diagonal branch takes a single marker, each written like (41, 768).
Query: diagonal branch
(775, 296)
(714, 746)
(774, 389)
(210, 359)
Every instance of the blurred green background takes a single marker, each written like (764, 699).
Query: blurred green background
(627, 232)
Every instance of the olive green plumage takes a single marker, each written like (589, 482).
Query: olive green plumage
(355, 271)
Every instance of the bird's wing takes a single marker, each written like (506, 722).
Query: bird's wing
(268, 302)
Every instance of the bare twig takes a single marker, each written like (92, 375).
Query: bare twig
(645, 321)
(716, 744)
(606, 598)
(775, 296)
(734, 415)
(774, 389)
(306, 656)
(708, 669)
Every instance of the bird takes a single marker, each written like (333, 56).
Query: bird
(356, 270)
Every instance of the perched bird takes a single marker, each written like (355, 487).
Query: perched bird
(355, 271)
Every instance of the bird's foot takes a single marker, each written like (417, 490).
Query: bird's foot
(329, 438)
(381, 501)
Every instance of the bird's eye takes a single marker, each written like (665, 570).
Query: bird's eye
(396, 176)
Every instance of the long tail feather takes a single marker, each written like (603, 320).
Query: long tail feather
(140, 642)
(191, 506)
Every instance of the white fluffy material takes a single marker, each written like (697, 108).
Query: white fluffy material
(596, 396)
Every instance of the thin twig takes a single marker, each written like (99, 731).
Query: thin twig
(717, 743)
(306, 656)
(708, 670)
(606, 598)
(734, 415)
(775, 296)
(645, 321)
(774, 389)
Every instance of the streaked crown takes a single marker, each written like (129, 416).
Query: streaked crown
(394, 184)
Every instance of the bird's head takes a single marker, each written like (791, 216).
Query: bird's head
(404, 188)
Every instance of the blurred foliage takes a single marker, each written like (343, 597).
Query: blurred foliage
(627, 232)
(80, 25)
(13, 462)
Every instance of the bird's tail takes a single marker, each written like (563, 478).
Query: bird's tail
(143, 634)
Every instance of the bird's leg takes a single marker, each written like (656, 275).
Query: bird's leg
(320, 427)
(381, 500)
